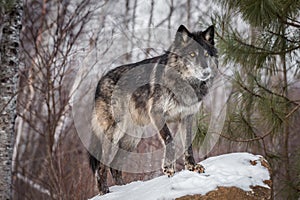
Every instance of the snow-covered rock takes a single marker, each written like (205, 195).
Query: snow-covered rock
(228, 174)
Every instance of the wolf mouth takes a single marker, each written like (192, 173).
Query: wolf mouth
(205, 75)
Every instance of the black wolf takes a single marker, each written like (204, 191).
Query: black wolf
(167, 89)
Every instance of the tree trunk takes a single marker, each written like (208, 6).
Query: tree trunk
(9, 50)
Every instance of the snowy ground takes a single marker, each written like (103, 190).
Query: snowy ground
(227, 170)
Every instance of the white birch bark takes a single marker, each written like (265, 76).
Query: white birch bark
(9, 50)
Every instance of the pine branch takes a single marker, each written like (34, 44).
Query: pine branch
(293, 111)
(248, 90)
(273, 93)
(259, 50)
(247, 140)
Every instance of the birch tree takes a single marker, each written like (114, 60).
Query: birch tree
(9, 48)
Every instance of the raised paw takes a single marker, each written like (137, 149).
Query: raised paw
(169, 171)
(195, 168)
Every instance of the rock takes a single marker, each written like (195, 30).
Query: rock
(229, 193)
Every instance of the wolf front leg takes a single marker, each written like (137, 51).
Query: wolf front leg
(158, 121)
(189, 161)
(169, 158)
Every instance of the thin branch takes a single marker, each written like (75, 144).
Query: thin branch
(271, 92)
(259, 50)
(172, 8)
(249, 91)
(292, 111)
(247, 140)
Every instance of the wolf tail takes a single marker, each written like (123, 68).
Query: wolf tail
(94, 162)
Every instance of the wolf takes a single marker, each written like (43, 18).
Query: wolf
(167, 89)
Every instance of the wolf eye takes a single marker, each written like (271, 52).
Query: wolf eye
(206, 54)
(192, 54)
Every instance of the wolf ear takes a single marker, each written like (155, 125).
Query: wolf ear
(182, 35)
(208, 34)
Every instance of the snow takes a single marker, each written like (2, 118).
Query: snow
(226, 170)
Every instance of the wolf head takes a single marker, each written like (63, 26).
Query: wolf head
(196, 53)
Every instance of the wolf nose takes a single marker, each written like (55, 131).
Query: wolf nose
(206, 72)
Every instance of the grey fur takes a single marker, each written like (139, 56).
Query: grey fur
(161, 90)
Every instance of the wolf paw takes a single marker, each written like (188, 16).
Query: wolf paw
(169, 171)
(199, 168)
(105, 191)
(195, 168)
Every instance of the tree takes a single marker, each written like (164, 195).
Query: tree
(44, 167)
(266, 61)
(9, 49)
(49, 159)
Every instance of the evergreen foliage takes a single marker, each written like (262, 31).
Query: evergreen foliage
(265, 60)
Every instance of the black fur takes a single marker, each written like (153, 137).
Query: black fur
(176, 83)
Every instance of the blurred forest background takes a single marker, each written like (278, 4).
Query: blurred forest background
(259, 56)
